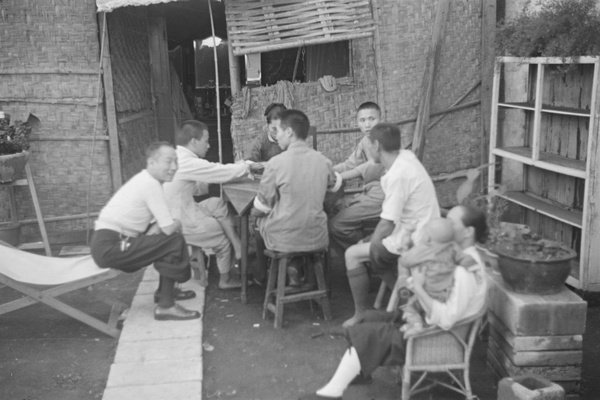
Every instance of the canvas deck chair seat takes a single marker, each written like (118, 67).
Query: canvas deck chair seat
(42, 279)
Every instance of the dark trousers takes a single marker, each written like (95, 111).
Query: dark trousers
(168, 253)
(383, 263)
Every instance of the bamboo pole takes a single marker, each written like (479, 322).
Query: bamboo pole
(378, 61)
(418, 144)
(243, 49)
(218, 95)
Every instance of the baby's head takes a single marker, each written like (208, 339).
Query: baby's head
(439, 230)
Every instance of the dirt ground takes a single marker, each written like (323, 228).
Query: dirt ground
(49, 356)
(251, 360)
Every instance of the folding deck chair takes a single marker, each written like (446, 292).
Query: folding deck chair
(42, 279)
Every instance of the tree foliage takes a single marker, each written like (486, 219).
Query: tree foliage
(555, 28)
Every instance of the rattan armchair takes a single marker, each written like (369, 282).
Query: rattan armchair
(434, 351)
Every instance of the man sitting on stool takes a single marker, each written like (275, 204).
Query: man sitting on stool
(123, 241)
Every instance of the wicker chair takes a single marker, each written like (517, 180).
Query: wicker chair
(438, 351)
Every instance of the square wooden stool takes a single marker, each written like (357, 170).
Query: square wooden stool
(282, 295)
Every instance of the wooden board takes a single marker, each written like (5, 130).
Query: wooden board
(534, 315)
(537, 358)
(551, 372)
(534, 343)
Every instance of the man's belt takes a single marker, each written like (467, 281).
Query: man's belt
(103, 224)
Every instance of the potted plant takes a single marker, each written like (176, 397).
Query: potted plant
(14, 146)
(528, 264)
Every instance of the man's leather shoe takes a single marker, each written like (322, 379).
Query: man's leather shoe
(175, 313)
(178, 295)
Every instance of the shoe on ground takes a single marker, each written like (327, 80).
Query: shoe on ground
(232, 283)
(175, 313)
(315, 396)
(178, 295)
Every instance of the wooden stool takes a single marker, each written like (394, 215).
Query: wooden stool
(276, 284)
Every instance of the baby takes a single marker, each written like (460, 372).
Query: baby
(439, 255)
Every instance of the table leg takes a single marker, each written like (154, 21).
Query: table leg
(244, 266)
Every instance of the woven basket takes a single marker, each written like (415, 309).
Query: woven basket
(11, 165)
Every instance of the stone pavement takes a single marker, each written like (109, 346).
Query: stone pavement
(157, 360)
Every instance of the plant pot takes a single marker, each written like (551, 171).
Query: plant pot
(489, 258)
(11, 165)
(10, 232)
(528, 272)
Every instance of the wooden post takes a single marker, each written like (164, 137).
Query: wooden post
(217, 86)
(378, 62)
(161, 81)
(428, 77)
(488, 35)
(234, 70)
(110, 107)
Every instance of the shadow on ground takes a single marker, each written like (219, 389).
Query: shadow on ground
(46, 355)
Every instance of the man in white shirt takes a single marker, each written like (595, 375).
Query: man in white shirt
(135, 229)
(410, 200)
(207, 224)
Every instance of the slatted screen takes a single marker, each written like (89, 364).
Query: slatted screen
(256, 26)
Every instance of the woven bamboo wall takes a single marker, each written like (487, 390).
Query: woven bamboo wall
(130, 60)
(49, 66)
(405, 29)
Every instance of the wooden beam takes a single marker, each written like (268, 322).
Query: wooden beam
(488, 36)
(161, 81)
(234, 71)
(110, 107)
(378, 62)
(428, 78)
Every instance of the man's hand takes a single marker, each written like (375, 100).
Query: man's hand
(418, 276)
(173, 228)
(153, 230)
(257, 168)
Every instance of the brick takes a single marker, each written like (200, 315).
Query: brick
(537, 358)
(552, 372)
(529, 387)
(535, 343)
(563, 313)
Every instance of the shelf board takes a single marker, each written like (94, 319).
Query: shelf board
(546, 108)
(547, 161)
(545, 207)
(520, 106)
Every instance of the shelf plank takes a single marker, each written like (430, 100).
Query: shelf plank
(546, 108)
(545, 207)
(520, 106)
(547, 161)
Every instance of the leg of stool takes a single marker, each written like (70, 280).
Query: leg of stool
(380, 295)
(280, 291)
(198, 263)
(271, 280)
(322, 286)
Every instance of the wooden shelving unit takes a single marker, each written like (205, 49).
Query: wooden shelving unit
(544, 139)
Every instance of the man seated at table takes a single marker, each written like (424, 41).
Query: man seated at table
(207, 224)
(346, 224)
(291, 193)
(125, 240)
